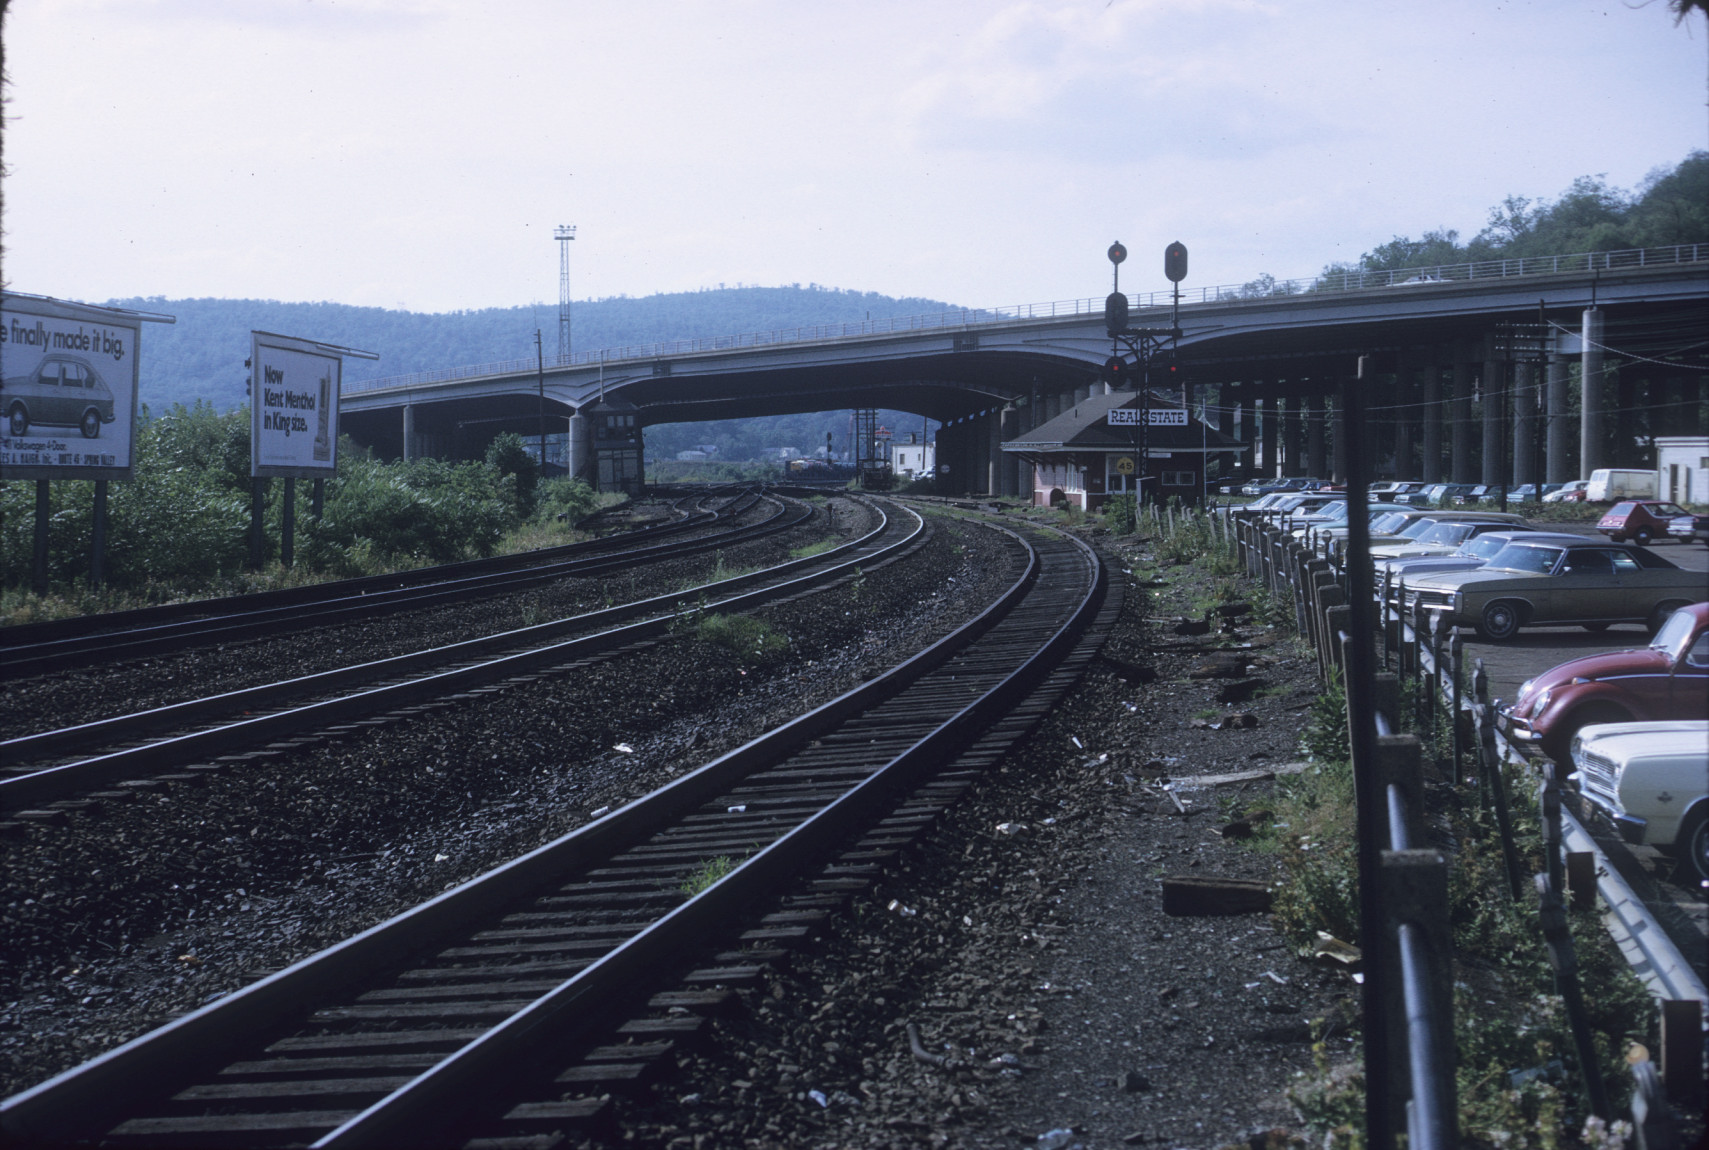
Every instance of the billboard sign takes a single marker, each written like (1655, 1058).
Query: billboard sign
(68, 388)
(293, 407)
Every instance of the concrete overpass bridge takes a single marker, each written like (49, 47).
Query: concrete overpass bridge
(1474, 383)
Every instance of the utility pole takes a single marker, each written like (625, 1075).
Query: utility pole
(564, 234)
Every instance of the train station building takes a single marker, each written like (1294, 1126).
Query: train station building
(1099, 448)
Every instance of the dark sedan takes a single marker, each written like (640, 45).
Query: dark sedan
(1591, 582)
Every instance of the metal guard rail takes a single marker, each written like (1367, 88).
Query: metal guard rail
(1309, 569)
(1349, 279)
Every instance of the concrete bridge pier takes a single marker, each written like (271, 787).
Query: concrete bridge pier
(409, 432)
(1556, 436)
(1494, 386)
(1315, 410)
(1524, 423)
(1430, 470)
(1008, 426)
(1338, 437)
(1269, 428)
(1406, 415)
(1293, 455)
(1593, 397)
(1226, 402)
(1460, 416)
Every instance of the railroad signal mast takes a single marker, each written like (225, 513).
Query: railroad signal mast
(1151, 349)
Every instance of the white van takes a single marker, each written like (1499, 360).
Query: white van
(1610, 483)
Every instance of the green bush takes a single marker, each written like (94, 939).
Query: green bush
(425, 510)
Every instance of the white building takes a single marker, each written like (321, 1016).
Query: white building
(1683, 461)
(913, 460)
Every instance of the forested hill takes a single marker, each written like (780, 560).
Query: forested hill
(201, 356)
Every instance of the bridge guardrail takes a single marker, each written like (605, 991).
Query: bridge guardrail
(1350, 279)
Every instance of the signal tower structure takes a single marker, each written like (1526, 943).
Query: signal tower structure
(1152, 348)
(564, 234)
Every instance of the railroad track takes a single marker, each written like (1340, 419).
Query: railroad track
(45, 648)
(513, 1004)
(192, 736)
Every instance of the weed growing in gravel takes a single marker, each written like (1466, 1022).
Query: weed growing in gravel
(706, 874)
(748, 638)
(1120, 515)
(818, 548)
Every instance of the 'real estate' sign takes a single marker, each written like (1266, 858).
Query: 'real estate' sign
(293, 406)
(1158, 417)
(68, 388)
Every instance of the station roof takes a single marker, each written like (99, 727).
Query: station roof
(1086, 428)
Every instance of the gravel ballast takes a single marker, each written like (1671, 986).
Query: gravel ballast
(117, 921)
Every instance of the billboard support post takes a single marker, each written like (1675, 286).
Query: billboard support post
(38, 558)
(98, 537)
(317, 500)
(288, 526)
(257, 517)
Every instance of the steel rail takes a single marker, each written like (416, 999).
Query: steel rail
(27, 634)
(663, 611)
(68, 653)
(85, 1101)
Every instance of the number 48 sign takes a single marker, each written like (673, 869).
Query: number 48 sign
(1158, 417)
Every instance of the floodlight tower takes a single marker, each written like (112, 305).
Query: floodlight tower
(564, 234)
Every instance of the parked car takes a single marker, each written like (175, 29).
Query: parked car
(1649, 780)
(1337, 527)
(62, 391)
(1610, 483)
(1568, 493)
(1443, 537)
(1528, 491)
(1669, 679)
(1591, 582)
(1689, 526)
(1473, 553)
(1638, 519)
(1477, 493)
(1405, 527)
(1267, 486)
(1259, 505)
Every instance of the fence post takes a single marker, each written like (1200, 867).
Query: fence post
(1682, 1051)
(1557, 936)
(1414, 891)
(1456, 664)
(1337, 617)
(1489, 764)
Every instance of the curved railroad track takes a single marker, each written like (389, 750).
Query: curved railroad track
(47, 648)
(200, 734)
(482, 1012)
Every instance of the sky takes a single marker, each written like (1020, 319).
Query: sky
(419, 153)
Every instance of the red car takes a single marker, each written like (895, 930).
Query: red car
(1640, 520)
(1669, 679)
